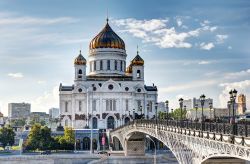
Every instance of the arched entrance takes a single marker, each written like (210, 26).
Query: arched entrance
(126, 120)
(117, 144)
(95, 125)
(110, 122)
(94, 141)
(86, 143)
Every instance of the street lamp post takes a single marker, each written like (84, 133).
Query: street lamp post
(196, 108)
(181, 105)
(147, 136)
(210, 107)
(202, 99)
(166, 103)
(156, 105)
(229, 110)
(134, 114)
(233, 95)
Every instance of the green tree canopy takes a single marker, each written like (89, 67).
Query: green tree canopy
(7, 136)
(40, 138)
(177, 114)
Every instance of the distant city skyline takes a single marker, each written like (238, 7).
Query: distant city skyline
(189, 48)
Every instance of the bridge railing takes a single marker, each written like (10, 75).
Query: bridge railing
(222, 128)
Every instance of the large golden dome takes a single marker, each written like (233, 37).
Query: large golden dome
(107, 38)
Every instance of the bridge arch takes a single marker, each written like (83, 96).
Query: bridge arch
(188, 145)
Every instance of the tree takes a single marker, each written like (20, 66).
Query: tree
(177, 114)
(39, 138)
(7, 136)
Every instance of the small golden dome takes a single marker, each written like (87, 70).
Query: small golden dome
(80, 60)
(107, 38)
(129, 69)
(137, 60)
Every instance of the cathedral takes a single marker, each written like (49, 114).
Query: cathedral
(112, 93)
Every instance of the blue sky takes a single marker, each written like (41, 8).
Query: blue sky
(189, 47)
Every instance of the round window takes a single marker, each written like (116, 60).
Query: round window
(110, 86)
(126, 89)
(94, 88)
(80, 90)
(139, 90)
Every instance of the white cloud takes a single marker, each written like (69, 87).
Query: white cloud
(203, 62)
(41, 82)
(158, 32)
(241, 86)
(207, 46)
(213, 28)
(46, 101)
(15, 75)
(229, 47)
(234, 75)
(13, 19)
(221, 38)
(179, 22)
(186, 86)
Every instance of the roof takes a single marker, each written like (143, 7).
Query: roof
(150, 88)
(107, 38)
(66, 88)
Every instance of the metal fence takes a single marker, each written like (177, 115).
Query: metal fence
(238, 129)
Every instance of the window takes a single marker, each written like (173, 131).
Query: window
(66, 106)
(121, 65)
(94, 105)
(108, 64)
(126, 104)
(110, 122)
(138, 104)
(94, 125)
(90, 66)
(150, 106)
(110, 87)
(94, 65)
(80, 106)
(66, 122)
(115, 65)
(101, 65)
(80, 71)
(138, 74)
(110, 105)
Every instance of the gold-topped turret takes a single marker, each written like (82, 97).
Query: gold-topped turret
(80, 60)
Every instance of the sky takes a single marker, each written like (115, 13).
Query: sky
(189, 47)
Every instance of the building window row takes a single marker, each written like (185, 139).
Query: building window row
(110, 105)
(94, 66)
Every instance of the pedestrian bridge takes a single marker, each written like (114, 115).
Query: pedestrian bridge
(190, 142)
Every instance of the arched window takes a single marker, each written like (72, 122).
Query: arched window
(94, 125)
(66, 123)
(80, 71)
(126, 120)
(115, 65)
(94, 65)
(110, 122)
(138, 74)
(120, 65)
(108, 64)
(90, 64)
(101, 65)
(66, 106)
(86, 143)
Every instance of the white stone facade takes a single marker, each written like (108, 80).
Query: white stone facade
(108, 94)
